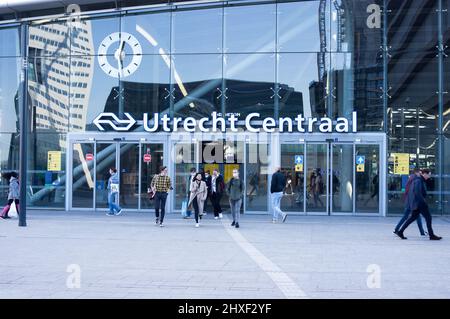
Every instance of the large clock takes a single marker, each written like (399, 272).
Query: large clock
(115, 46)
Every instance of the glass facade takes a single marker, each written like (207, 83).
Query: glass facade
(386, 60)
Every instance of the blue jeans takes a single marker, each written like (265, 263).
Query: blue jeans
(276, 202)
(406, 214)
(112, 203)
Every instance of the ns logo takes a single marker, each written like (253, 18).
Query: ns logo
(374, 19)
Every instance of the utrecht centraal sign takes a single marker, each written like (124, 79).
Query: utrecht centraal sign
(230, 123)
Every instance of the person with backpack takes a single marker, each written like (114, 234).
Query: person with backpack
(161, 185)
(13, 194)
(407, 211)
(277, 186)
(113, 193)
(197, 198)
(235, 191)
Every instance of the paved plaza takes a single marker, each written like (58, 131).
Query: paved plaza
(90, 255)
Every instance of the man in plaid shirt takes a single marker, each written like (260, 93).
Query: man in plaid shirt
(161, 185)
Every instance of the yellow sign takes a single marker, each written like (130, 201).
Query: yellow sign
(401, 163)
(360, 168)
(53, 161)
(299, 167)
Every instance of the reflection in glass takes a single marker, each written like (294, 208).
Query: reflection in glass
(196, 82)
(129, 173)
(298, 26)
(51, 39)
(9, 98)
(257, 171)
(249, 84)
(367, 183)
(148, 170)
(106, 159)
(293, 200)
(89, 34)
(257, 36)
(184, 161)
(316, 177)
(9, 38)
(82, 176)
(151, 29)
(342, 178)
(197, 31)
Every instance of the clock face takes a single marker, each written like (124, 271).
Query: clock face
(113, 51)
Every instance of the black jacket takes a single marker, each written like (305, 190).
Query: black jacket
(278, 182)
(417, 193)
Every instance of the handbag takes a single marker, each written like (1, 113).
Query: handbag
(151, 194)
(13, 210)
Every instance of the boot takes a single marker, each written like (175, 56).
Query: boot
(5, 211)
(434, 237)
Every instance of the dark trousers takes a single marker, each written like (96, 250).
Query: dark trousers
(160, 203)
(415, 214)
(215, 200)
(195, 204)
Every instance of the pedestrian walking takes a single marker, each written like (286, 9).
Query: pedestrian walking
(417, 204)
(13, 194)
(277, 186)
(217, 189)
(235, 190)
(407, 210)
(197, 198)
(207, 180)
(161, 185)
(113, 193)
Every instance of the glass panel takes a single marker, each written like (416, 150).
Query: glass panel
(9, 38)
(257, 36)
(257, 171)
(368, 181)
(145, 90)
(316, 174)
(184, 160)
(150, 167)
(298, 27)
(48, 88)
(9, 94)
(293, 166)
(106, 159)
(446, 178)
(52, 39)
(197, 81)
(342, 178)
(129, 175)
(82, 176)
(9, 158)
(412, 25)
(300, 92)
(249, 84)
(46, 169)
(151, 29)
(197, 31)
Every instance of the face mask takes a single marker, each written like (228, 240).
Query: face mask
(206, 175)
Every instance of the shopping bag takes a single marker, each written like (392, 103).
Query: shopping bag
(12, 210)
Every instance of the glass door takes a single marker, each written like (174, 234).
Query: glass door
(105, 158)
(341, 178)
(82, 180)
(367, 190)
(316, 169)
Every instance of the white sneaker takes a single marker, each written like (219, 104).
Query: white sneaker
(197, 225)
(161, 225)
(220, 216)
(216, 217)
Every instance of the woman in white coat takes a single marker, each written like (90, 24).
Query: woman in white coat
(198, 195)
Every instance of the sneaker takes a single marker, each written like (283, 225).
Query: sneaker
(400, 234)
(119, 212)
(284, 217)
(233, 223)
(161, 225)
(237, 225)
(216, 218)
(220, 215)
(197, 225)
(109, 214)
(434, 237)
(274, 221)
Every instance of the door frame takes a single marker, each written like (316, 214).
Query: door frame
(108, 137)
(371, 138)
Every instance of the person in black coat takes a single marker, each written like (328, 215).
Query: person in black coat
(217, 188)
(277, 186)
(416, 202)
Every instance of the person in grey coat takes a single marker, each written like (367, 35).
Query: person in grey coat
(235, 191)
(13, 194)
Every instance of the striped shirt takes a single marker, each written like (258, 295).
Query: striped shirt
(161, 183)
